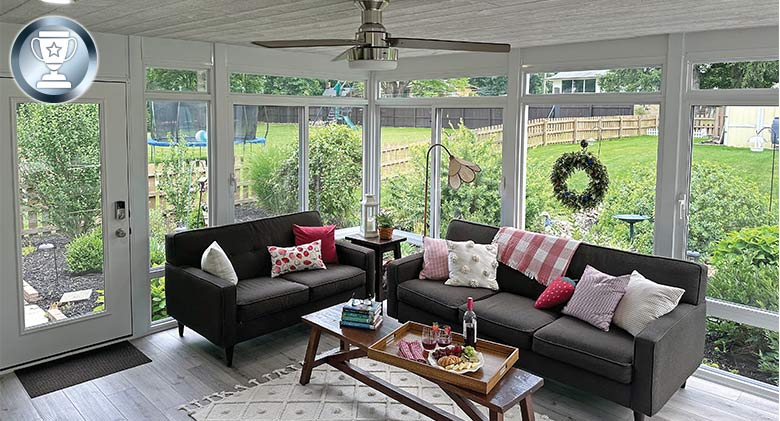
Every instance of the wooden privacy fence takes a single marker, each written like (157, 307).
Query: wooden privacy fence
(571, 130)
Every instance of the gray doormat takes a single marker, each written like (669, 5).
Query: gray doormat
(69, 371)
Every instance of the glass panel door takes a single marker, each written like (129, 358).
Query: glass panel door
(69, 167)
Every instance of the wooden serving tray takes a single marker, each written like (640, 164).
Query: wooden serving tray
(498, 359)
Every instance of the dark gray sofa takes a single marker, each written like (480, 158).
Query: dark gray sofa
(227, 314)
(640, 373)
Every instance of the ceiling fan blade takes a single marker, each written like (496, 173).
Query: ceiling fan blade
(307, 43)
(440, 44)
(342, 56)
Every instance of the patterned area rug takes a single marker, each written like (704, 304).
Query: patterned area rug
(331, 395)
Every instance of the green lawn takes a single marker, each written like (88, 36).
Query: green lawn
(621, 156)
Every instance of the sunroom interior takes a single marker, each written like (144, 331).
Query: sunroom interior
(192, 126)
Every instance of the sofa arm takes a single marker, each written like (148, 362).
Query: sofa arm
(361, 257)
(666, 353)
(202, 302)
(399, 271)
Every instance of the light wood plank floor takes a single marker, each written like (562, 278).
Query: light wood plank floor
(187, 368)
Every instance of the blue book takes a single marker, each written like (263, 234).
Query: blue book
(366, 326)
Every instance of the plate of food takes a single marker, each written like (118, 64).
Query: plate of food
(456, 359)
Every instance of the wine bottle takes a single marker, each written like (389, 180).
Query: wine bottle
(470, 324)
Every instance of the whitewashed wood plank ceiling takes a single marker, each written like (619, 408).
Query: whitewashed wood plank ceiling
(522, 23)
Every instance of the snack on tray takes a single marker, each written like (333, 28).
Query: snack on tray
(411, 350)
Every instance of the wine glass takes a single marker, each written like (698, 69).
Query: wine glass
(428, 338)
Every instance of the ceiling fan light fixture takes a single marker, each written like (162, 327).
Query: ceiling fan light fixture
(373, 58)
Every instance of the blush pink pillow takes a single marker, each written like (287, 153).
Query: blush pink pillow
(295, 258)
(435, 264)
(305, 235)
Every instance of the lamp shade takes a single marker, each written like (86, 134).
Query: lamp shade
(461, 171)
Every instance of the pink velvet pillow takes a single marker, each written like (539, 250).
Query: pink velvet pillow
(327, 234)
(435, 264)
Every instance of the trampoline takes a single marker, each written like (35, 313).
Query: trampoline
(171, 119)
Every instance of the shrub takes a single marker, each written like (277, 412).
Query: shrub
(159, 305)
(85, 253)
(760, 243)
(721, 202)
(175, 179)
(59, 162)
(335, 170)
(738, 280)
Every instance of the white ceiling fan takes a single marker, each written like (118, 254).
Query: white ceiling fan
(374, 49)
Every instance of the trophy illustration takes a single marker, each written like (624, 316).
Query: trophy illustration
(53, 47)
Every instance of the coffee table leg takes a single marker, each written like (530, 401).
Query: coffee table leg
(344, 345)
(311, 353)
(527, 409)
(497, 416)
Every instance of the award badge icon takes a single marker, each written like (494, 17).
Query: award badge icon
(54, 59)
(55, 48)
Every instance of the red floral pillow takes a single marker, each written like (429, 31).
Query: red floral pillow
(557, 293)
(296, 258)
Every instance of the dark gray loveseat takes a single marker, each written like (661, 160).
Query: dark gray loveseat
(227, 314)
(640, 373)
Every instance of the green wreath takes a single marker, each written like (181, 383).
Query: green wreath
(565, 166)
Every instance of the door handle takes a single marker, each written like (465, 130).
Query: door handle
(120, 232)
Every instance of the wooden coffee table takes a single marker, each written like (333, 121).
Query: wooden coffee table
(516, 386)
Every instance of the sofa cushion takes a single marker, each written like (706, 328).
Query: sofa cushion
(574, 342)
(256, 297)
(328, 282)
(510, 318)
(439, 299)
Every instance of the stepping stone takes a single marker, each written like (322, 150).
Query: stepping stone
(54, 314)
(82, 295)
(34, 316)
(30, 294)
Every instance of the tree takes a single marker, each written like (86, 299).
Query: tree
(59, 163)
(159, 79)
(440, 87)
(176, 181)
(740, 75)
(645, 79)
(489, 86)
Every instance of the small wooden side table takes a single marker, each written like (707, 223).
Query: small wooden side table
(380, 247)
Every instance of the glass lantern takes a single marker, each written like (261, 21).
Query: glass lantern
(369, 210)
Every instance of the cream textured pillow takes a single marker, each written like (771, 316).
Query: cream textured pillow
(216, 262)
(643, 302)
(472, 265)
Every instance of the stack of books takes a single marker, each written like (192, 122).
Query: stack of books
(362, 316)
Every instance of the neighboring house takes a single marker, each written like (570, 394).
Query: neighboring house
(584, 81)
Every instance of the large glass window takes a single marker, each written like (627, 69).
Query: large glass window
(248, 83)
(405, 136)
(266, 142)
(625, 139)
(644, 79)
(736, 75)
(475, 135)
(733, 228)
(336, 164)
(457, 87)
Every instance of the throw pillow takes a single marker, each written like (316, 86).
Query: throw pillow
(435, 265)
(557, 293)
(327, 234)
(296, 258)
(215, 261)
(643, 302)
(596, 297)
(472, 265)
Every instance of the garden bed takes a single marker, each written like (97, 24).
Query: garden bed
(46, 271)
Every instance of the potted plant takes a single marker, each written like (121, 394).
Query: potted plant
(384, 221)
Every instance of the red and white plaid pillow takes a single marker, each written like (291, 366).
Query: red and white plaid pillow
(435, 264)
(296, 258)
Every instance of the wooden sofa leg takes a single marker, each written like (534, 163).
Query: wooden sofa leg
(638, 416)
(229, 356)
(181, 330)
(683, 385)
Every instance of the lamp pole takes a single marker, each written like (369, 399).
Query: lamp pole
(425, 196)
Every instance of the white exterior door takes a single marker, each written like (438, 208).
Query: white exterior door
(64, 237)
